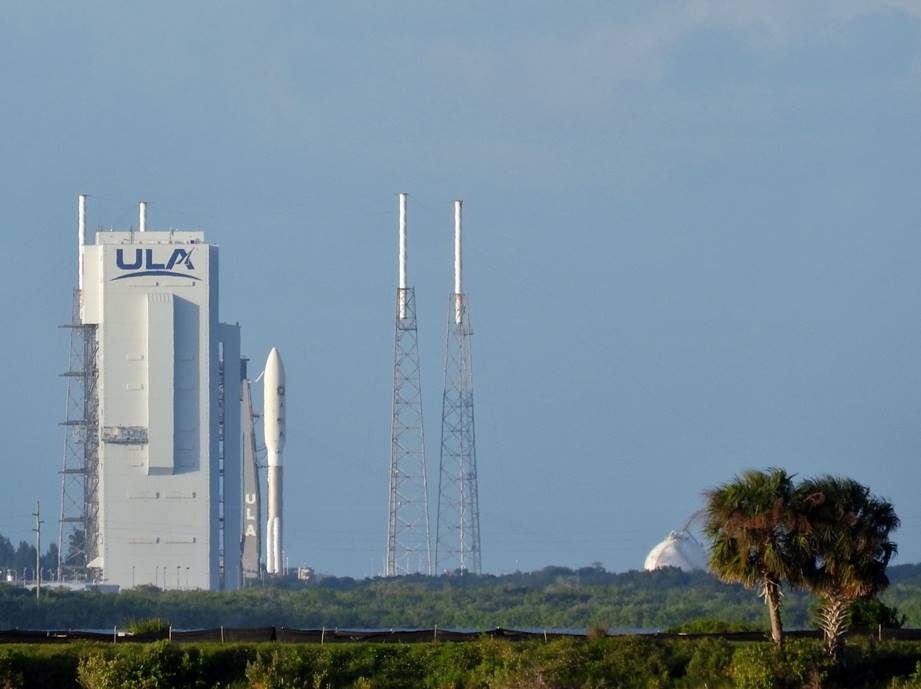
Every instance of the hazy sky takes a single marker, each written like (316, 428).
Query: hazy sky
(692, 239)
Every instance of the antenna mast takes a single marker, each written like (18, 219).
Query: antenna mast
(409, 546)
(457, 533)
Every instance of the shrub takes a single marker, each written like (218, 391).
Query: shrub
(710, 661)
(800, 663)
(708, 625)
(753, 667)
(11, 669)
(153, 667)
(873, 663)
(153, 625)
(281, 669)
(913, 681)
(803, 662)
(872, 612)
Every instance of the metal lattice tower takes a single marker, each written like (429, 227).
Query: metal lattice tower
(457, 533)
(79, 468)
(408, 538)
(78, 526)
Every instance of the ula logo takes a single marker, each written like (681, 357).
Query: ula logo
(144, 265)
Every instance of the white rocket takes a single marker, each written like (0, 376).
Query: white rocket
(274, 426)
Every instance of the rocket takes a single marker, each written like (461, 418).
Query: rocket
(274, 427)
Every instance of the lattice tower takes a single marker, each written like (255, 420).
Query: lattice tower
(457, 531)
(78, 528)
(457, 534)
(408, 537)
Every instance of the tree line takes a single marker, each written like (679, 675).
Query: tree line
(19, 561)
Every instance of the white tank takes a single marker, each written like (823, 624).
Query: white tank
(679, 550)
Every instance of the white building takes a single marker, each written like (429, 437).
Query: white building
(168, 391)
(679, 550)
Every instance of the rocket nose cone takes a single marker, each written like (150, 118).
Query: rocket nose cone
(274, 363)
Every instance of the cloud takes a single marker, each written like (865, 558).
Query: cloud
(909, 7)
(587, 62)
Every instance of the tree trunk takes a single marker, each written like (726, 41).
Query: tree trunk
(772, 595)
(834, 619)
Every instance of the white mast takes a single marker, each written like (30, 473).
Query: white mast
(458, 264)
(81, 238)
(142, 224)
(402, 258)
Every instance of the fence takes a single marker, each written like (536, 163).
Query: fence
(291, 635)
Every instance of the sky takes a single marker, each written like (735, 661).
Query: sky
(692, 237)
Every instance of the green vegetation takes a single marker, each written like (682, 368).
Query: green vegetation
(752, 522)
(849, 549)
(553, 597)
(151, 626)
(20, 560)
(828, 535)
(705, 625)
(624, 662)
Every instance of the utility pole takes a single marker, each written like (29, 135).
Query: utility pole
(38, 549)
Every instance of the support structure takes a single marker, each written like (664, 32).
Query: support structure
(78, 528)
(408, 535)
(252, 500)
(78, 525)
(457, 535)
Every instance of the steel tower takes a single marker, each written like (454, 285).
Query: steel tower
(457, 534)
(78, 530)
(409, 546)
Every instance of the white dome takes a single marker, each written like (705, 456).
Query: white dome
(679, 550)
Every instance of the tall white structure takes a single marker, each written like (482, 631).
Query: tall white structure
(275, 435)
(679, 550)
(457, 529)
(252, 496)
(168, 391)
(409, 545)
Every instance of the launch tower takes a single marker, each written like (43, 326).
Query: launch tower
(157, 446)
(457, 533)
(79, 468)
(408, 536)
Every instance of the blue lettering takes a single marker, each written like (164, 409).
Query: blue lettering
(150, 262)
(120, 260)
(145, 258)
(181, 256)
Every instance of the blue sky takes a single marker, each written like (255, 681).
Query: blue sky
(692, 233)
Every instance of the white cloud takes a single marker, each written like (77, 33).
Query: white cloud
(587, 66)
(857, 7)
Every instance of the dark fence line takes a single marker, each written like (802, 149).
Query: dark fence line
(291, 635)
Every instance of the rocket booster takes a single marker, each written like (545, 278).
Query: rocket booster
(274, 427)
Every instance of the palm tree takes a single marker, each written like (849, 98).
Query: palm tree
(754, 527)
(851, 547)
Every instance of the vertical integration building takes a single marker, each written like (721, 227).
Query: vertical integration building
(168, 391)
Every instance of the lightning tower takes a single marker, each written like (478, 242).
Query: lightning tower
(408, 538)
(457, 534)
(77, 534)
